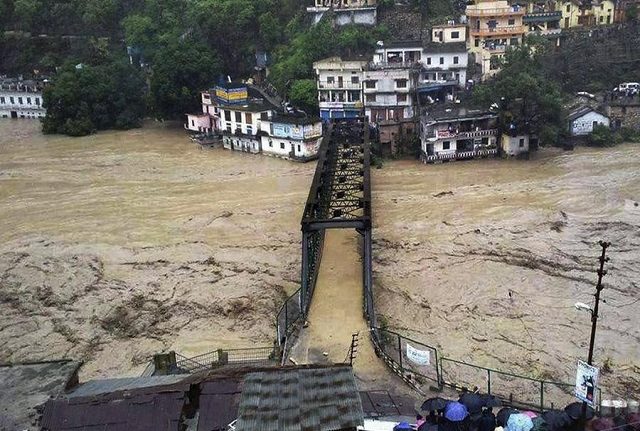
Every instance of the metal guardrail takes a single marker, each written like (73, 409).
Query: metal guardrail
(220, 357)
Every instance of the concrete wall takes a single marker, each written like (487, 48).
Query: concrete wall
(584, 125)
(289, 148)
(198, 123)
(625, 116)
(231, 125)
(514, 145)
(364, 16)
(446, 34)
(240, 143)
(20, 104)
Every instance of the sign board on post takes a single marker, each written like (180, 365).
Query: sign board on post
(586, 383)
(420, 357)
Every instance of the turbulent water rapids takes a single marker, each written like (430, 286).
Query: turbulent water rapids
(123, 244)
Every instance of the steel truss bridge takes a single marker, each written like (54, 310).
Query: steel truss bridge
(339, 198)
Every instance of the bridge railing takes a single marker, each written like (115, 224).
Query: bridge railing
(289, 316)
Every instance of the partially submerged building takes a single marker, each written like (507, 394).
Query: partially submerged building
(249, 123)
(21, 98)
(455, 133)
(339, 83)
(582, 121)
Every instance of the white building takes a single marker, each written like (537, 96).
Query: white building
(445, 63)
(449, 33)
(582, 121)
(291, 137)
(514, 145)
(363, 12)
(458, 133)
(21, 99)
(252, 124)
(339, 84)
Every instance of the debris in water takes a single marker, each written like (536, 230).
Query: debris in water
(439, 195)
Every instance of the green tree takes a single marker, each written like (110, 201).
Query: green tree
(180, 71)
(82, 100)
(303, 94)
(26, 11)
(526, 98)
(603, 136)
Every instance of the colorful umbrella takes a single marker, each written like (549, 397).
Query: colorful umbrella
(530, 414)
(519, 422)
(455, 411)
(503, 415)
(539, 424)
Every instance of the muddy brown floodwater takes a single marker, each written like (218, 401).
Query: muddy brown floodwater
(123, 244)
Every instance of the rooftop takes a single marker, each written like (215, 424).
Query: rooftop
(579, 112)
(26, 386)
(300, 399)
(448, 112)
(300, 119)
(439, 47)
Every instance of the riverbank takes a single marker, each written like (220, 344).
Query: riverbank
(123, 244)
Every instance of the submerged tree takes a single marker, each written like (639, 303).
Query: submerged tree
(526, 99)
(84, 99)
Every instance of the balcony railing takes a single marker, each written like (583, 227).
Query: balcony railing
(472, 134)
(495, 12)
(542, 17)
(462, 155)
(336, 85)
(394, 65)
(497, 31)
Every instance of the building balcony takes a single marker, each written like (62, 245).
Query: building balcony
(324, 85)
(462, 155)
(548, 32)
(503, 11)
(383, 65)
(453, 134)
(340, 105)
(16, 107)
(542, 17)
(498, 31)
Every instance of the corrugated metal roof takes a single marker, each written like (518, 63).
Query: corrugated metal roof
(319, 399)
(121, 412)
(219, 402)
(382, 403)
(96, 387)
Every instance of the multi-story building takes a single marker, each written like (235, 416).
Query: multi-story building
(444, 63)
(542, 18)
(493, 25)
(345, 11)
(449, 33)
(454, 133)
(295, 137)
(249, 123)
(21, 98)
(585, 13)
(339, 84)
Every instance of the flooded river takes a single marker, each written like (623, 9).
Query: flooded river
(123, 244)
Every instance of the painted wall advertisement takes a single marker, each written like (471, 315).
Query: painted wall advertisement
(287, 131)
(586, 383)
(420, 357)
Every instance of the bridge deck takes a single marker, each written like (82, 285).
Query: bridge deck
(336, 313)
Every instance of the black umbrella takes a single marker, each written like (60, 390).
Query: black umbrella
(491, 401)
(472, 401)
(574, 410)
(556, 419)
(433, 404)
(503, 415)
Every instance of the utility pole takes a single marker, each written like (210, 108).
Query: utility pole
(594, 313)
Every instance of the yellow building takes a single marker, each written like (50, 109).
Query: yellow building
(494, 25)
(576, 13)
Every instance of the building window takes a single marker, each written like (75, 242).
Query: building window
(446, 145)
(521, 143)
(441, 60)
(193, 123)
(2, 100)
(512, 21)
(299, 150)
(330, 80)
(568, 8)
(12, 100)
(514, 41)
(355, 80)
(455, 35)
(370, 84)
(270, 143)
(476, 42)
(238, 117)
(601, 19)
(227, 115)
(248, 118)
(455, 60)
(28, 100)
(402, 98)
(282, 145)
(401, 83)
(20, 100)
(428, 60)
(370, 97)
